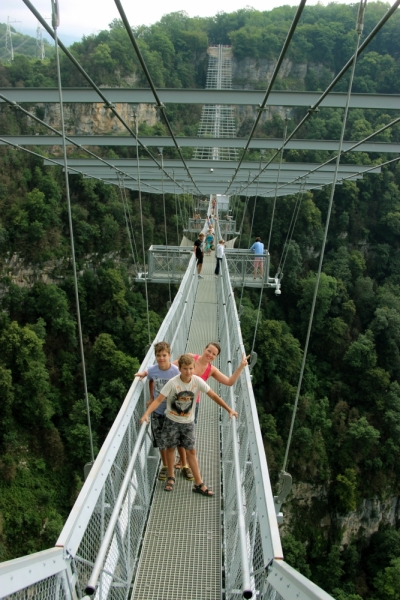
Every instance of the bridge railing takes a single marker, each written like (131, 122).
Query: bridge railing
(110, 514)
(262, 541)
(248, 497)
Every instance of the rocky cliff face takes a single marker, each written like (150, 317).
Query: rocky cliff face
(362, 522)
(95, 119)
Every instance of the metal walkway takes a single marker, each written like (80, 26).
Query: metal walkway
(182, 544)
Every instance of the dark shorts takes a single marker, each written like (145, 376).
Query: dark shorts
(200, 259)
(157, 424)
(178, 434)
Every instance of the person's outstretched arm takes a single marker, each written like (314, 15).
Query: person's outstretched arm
(218, 400)
(221, 378)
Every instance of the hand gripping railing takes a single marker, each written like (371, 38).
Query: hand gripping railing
(99, 546)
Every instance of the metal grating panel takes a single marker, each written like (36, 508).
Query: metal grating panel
(182, 544)
(52, 588)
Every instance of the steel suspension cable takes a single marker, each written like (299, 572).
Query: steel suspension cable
(54, 162)
(355, 145)
(359, 29)
(270, 85)
(92, 84)
(123, 200)
(130, 217)
(276, 188)
(290, 231)
(159, 104)
(244, 214)
(165, 227)
(176, 212)
(336, 79)
(17, 106)
(55, 23)
(255, 202)
(142, 230)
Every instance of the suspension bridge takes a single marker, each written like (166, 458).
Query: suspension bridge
(125, 538)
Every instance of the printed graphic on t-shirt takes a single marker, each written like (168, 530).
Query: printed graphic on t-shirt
(182, 403)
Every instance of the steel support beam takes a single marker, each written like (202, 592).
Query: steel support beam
(228, 167)
(187, 96)
(156, 179)
(197, 142)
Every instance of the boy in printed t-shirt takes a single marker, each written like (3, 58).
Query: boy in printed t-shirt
(158, 375)
(180, 393)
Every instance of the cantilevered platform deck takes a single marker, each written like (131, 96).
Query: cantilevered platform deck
(181, 555)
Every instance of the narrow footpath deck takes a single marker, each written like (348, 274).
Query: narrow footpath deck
(181, 555)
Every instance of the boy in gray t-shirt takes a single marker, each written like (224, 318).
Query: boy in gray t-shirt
(180, 393)
(158, 376)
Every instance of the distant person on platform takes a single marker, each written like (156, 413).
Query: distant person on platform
(219, 255)
(209, 241)
(258, 249)
(198, 249)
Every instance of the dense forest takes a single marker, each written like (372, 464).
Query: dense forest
(347, 434)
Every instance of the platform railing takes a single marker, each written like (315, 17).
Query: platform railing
(196, 225)
(168, 263)
(227, 226)
(107, 496)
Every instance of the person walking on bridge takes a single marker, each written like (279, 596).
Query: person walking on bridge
(198, 249)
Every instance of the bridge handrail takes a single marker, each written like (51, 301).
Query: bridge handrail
(80, 540)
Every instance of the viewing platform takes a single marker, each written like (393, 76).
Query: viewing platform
(169, 264)
(243, 265)
(166, 264)
(195, 225)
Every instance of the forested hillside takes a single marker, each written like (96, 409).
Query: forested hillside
(346, 442)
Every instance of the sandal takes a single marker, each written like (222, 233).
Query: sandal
(162, 476)
(169, 486)
(197, 490)
(178, 465)
(187, 472)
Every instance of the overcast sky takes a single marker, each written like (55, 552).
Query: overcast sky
(83, 17)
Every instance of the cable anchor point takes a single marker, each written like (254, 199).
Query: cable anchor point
(285, 483)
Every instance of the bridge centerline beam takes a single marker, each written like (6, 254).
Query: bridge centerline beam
(201, 96)
(199, 142)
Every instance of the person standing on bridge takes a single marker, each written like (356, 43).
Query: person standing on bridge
(198, 249)
(157, 376)
(219, 255)
(178, 430)
(258, 249)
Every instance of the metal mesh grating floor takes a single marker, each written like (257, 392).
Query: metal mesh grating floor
(181, 554)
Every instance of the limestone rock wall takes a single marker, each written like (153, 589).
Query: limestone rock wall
(362, 522)
(95, 119)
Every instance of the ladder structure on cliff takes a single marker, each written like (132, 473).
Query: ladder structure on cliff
(217, 120)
